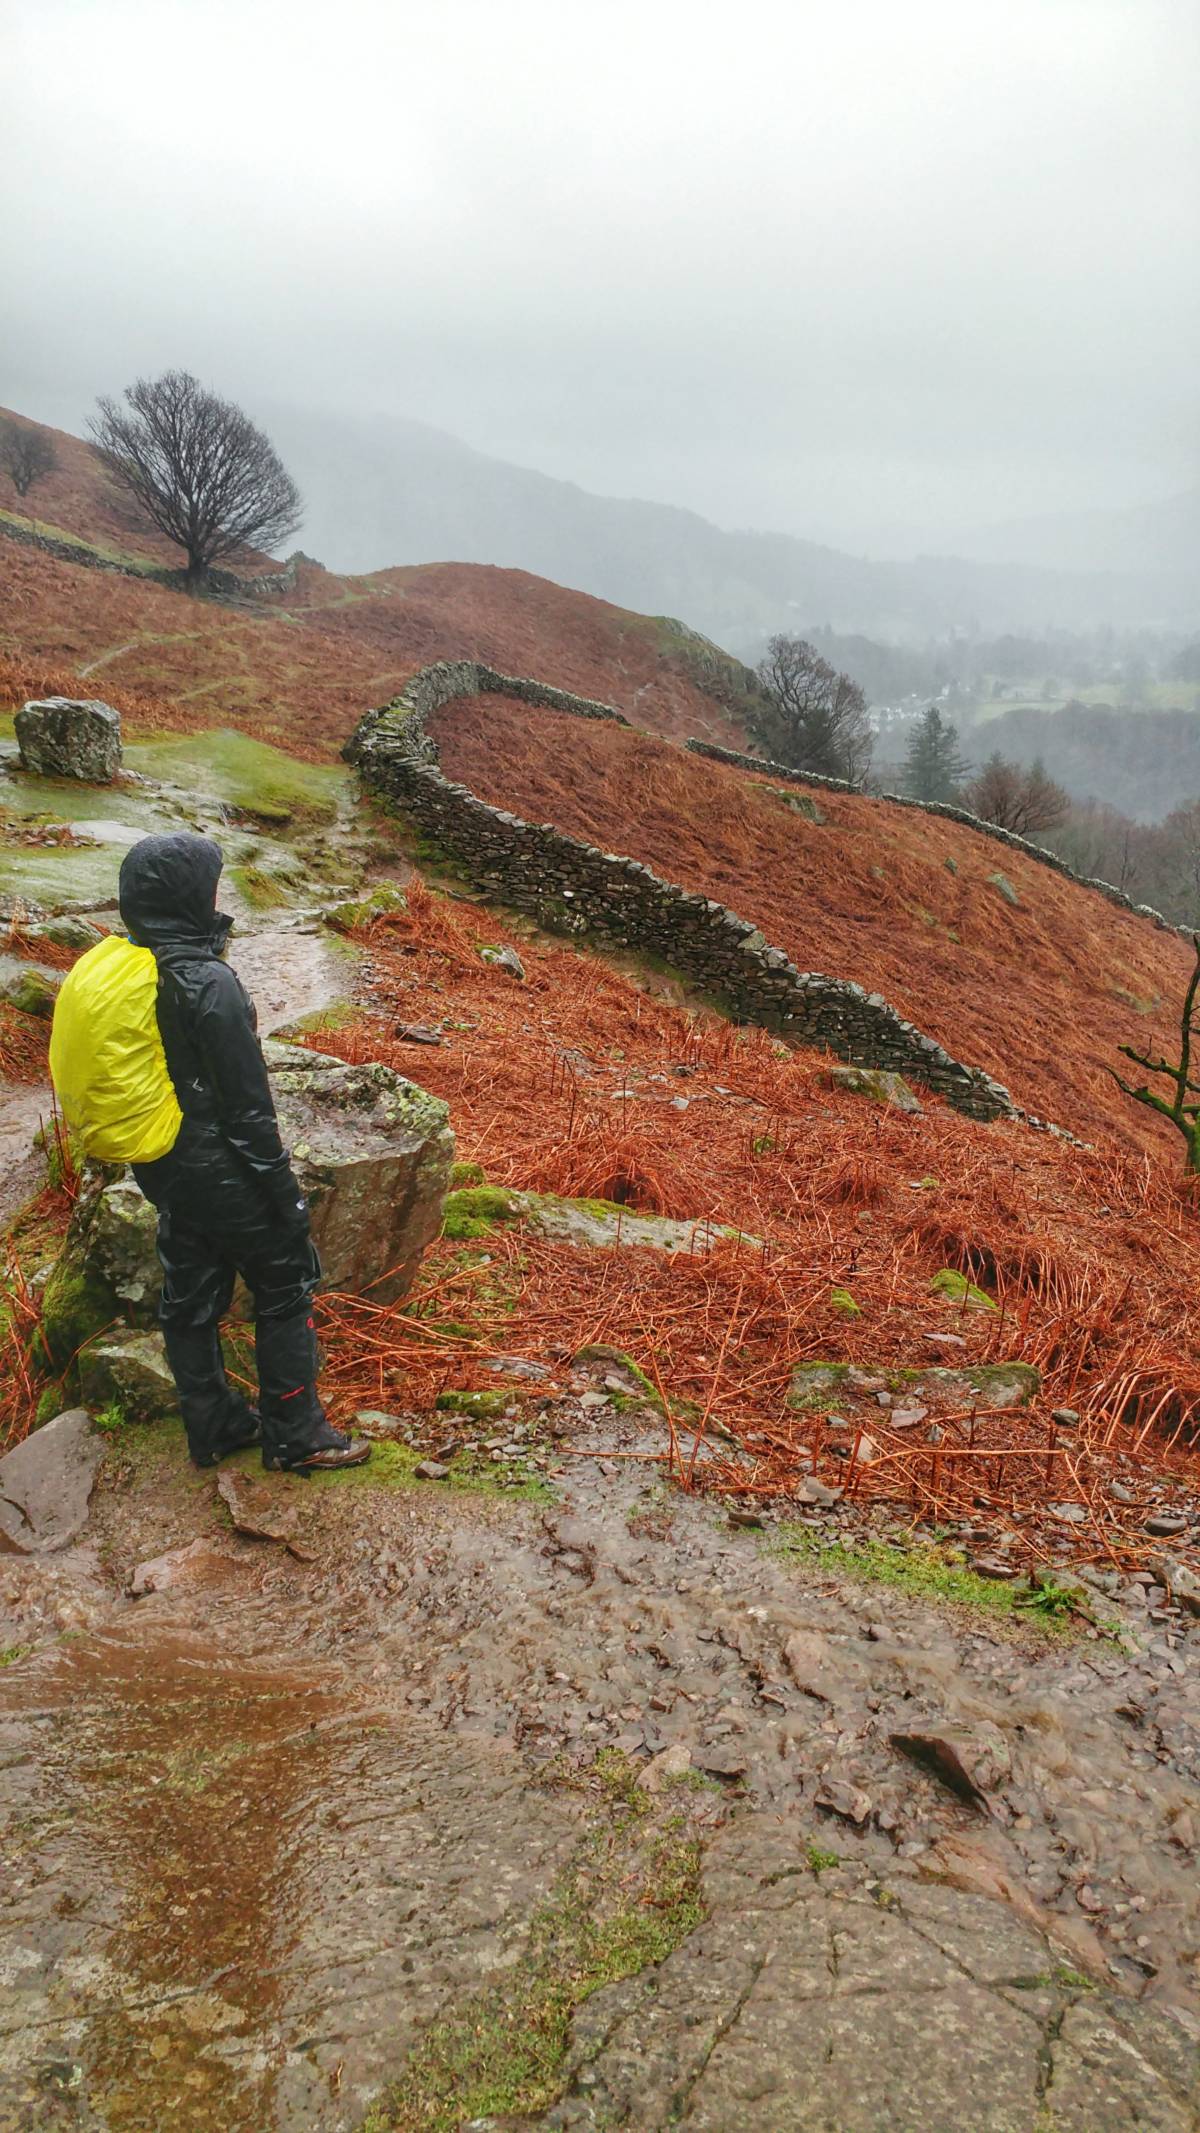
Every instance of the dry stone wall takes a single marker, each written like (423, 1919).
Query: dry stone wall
(224, 584)
(572, 887)
(781, 772)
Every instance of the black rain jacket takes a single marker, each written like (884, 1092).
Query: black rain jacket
(168, 898)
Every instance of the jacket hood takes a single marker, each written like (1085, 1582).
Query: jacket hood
(168, 892)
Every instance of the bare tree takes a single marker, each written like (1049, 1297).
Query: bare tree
(200, 469)
(26, 455)
(1017, 799)
(813, 718)
(1182, 1114)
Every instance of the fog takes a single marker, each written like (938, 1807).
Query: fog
(867, 273)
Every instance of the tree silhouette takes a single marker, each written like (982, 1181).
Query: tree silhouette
(26, 455)
(200, 469)
(1185, 1116)
(813, 717)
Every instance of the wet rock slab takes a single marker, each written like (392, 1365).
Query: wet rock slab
(46, 1485)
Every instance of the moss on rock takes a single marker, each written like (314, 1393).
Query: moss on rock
(955, 1286)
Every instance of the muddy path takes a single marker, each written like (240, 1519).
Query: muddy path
(264, 1827)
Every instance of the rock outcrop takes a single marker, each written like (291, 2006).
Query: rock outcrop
(372, 1152)
(69, 737)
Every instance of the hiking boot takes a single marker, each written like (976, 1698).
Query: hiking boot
(328, 1448)
(242, 1436)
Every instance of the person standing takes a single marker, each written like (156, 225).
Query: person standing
(156, 1062)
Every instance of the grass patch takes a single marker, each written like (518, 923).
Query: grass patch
(10, 1653)
(393, 1466)
(935, 1574)
(248, 775)
(628, 1900)
(819, 1860)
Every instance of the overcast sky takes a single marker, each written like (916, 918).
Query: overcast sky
(829, 268)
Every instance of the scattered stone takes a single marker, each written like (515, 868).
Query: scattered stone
(838, 1797)
(907, 1417)
(1182, 1583)
(671, 1763)
(881, 1088)
(1066, 1417)
(46, 1485)
(31, 991)
(417, 1033)
(505, 959)
(1070, 1514)
(866, 1450)
(1164, 1524)
(128, 1372)
(812, 1491)
(739, 1517)
(257, 1510)
(972, 1763)
(807, 1656)
(726, 1763)
(1120, 1494)
(430, 1470)
(1007, 891)
(991, 1566)
(70, 737)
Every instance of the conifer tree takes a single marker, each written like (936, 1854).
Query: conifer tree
(933, 767)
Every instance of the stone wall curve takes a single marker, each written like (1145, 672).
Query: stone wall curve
(572, 887)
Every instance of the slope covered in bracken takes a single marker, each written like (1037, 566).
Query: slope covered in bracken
(583, 1081)
(1010, 966)
(301, 670)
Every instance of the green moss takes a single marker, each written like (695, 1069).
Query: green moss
(75, 1308)
(10, 1653)
(380, 902)
(843, 1303)
(473, 1212)
(481, 1405)
(463, 1175)
(627, 1902)
(934, 1574)
(258, 887)
(816, 1385)
(949, 1283)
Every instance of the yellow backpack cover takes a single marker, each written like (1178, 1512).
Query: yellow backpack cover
(106, 1056)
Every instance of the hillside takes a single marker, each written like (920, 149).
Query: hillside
(301, 669)
(380, 488)
(1010, 966)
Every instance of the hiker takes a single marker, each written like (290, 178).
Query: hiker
(156, 1063)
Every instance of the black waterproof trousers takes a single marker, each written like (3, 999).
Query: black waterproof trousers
(214, 1223)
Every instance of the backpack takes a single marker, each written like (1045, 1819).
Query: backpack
(106, 1056)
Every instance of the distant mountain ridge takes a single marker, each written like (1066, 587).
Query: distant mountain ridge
(384, 490)
(1162, 537)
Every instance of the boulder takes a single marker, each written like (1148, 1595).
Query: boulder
(70, 737)
(879, 1087)
(129, 1372)
(45, 1484)
(30, 990)
(372, 1153)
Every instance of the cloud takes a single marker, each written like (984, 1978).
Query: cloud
(790, 265)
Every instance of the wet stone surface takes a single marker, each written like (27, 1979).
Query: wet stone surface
(266, 1825)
